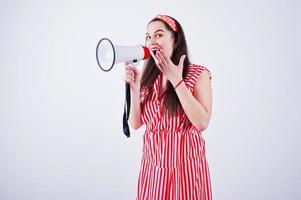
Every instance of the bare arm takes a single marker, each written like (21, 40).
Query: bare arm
(135, 110)
(198, 108)
(132, 76)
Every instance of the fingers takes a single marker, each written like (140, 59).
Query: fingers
(132, 74)
(129, 77)
(155, 57)
(152, 54)
(181, 62)
(163, 61)
(160, 67)
(162, 58)
(129, 74)
(156, 60)
(136, 71)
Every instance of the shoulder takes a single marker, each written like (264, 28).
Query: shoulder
(193, 68)
(197, 73)
(205, 74)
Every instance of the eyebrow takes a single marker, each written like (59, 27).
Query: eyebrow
(155, 31)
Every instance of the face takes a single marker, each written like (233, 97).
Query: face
(157, 36)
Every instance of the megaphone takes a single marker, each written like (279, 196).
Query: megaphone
(108, 54)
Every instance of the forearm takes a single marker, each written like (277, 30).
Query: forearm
(193, 109)
(135, 110)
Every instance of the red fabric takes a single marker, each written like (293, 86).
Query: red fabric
(173, 162)
(169, 21)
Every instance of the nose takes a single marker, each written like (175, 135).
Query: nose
(153, 40)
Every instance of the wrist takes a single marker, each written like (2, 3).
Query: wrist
(178, 84)
(135, 89)
(175, 81)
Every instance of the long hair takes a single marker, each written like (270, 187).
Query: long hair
(171, 101)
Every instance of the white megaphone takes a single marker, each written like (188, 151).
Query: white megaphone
(108, 54)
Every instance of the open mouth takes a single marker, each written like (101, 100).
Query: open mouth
(154, 50)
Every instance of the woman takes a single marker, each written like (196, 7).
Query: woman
(173, 98)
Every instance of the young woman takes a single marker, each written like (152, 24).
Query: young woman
(173, 98)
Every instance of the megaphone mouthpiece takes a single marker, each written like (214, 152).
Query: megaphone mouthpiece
(146, 53)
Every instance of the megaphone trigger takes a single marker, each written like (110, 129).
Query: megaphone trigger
(135, 62)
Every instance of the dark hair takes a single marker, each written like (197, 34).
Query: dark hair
(171, 101)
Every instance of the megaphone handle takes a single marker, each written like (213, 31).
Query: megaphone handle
(128, 98)
(127, 106)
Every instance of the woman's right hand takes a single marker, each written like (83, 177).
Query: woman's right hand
(133, 77)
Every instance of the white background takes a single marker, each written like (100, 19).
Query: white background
(61, 117)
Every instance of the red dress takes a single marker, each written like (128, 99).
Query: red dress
(173, 164)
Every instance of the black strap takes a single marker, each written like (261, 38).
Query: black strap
(126, 113)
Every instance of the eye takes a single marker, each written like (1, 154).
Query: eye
(159, 35)
(147, 37)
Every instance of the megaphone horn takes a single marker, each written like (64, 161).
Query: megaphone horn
(108, 54)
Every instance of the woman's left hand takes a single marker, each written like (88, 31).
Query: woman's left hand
(172, 72)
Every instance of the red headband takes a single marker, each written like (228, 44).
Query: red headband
(169, 21)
